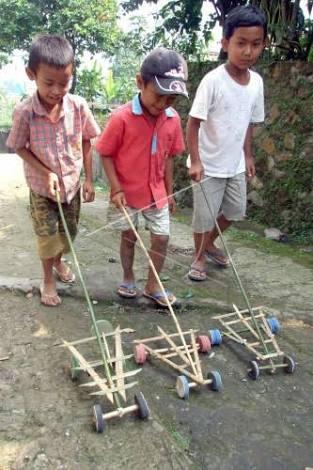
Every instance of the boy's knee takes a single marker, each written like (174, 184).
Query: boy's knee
(129, 237)
(160, 241)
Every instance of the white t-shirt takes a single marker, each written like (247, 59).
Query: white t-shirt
(226, 109)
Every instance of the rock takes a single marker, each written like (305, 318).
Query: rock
(274, 113)
(255, 198)
(289, 141)
(278, 174)
(268, 146)
(256, 183)
(270, 163)
(283, 156)
(112, 260)
(275, 234)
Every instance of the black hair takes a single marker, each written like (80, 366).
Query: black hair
(50, 49)
(244, 16)
(159, 61)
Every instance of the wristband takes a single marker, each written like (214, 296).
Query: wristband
(116, 192)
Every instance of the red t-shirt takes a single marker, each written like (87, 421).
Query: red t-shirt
(139, 148)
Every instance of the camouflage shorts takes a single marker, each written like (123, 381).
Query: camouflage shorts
(47, 223)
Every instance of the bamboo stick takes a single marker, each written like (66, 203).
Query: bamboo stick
(118, 365)
(156, 338)
(179, 330)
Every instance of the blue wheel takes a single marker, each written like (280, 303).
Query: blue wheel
(216, 378)
(274, 324)
(215, 337)
(182, 387)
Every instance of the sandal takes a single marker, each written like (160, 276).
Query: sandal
(46, 299)
(197, 274)
(67, 277)
(158, 296)
(127, 290)
(217, 257)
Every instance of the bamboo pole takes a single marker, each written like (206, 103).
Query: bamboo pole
(106, 365)
(179, 330)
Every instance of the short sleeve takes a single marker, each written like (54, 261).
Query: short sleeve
(19, 134)
(110, 140)
(90, 128)
(178, 145)
(204, 99)
(258, 107)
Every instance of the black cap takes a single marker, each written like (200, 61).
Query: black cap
(167, 70)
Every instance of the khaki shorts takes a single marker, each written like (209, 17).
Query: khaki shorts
(227, 196)
(156, 220)
(48, 227)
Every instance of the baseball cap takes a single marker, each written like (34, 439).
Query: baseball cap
(167, 70)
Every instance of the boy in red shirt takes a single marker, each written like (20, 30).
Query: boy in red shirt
(137, 146)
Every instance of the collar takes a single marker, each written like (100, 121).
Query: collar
(138, 111)
(39, 109)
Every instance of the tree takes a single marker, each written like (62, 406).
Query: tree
(90, 25)
(182, 24)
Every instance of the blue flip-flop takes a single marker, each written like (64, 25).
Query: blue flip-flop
(127, 290)
(157, 296)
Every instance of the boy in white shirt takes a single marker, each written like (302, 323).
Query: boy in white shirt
(229, 100)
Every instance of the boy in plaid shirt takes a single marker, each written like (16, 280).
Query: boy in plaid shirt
(52, 132)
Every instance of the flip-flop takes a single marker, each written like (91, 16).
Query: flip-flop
(64, 277)
(196, 274)
(48, 296)
(157, 296)
(218, 257)
(127, 290)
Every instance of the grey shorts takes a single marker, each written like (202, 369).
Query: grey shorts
(156, 220)
(227, 196)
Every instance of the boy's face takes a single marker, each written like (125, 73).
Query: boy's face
(52, 83)
(244, 46)
(153, 102)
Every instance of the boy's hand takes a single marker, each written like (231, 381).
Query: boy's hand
(53, 184)
(196, 171)
(171, 204)
(88, 192)
(250, 168)
(119, 199)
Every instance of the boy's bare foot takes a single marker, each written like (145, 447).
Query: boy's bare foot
(64, 273)
(49, 295)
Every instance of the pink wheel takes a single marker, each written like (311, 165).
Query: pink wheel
(204, 343)
(140, 353)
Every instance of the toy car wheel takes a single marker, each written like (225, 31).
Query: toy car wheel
(143, 411)
(140, 353)
(204, 343)
(216, 378)
(254, 371)
(98, 419)
(273, 324)
(290, 365)
(215, 337)
(182, 387)
(75, 372)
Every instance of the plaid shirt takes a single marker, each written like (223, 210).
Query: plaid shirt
(57, 145)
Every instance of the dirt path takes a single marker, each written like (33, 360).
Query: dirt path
(45, 419)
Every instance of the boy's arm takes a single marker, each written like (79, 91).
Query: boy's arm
(88, 188)
(192, 134)
(51, 178)
(168, 180)
(117, 193)
(247, 148)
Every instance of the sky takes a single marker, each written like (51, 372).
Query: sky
(13, 77)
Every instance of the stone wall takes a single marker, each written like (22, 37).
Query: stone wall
(281, 194)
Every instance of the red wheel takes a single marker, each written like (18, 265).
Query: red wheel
(140, 353)
(204, 343)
